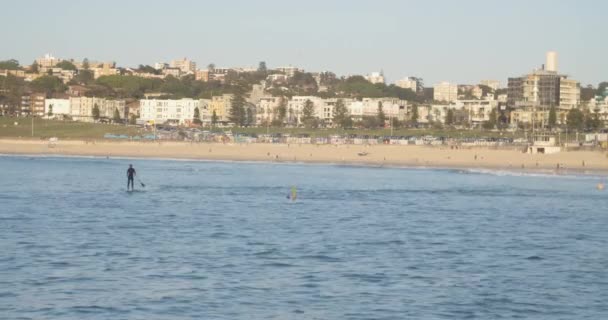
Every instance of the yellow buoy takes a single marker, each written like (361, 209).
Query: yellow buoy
(600, 186)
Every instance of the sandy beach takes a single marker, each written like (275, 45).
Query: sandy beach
(377, 155)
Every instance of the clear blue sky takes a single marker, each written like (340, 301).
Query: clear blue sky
(462, 41)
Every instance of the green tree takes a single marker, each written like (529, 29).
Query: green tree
(491, 123)
(66, 65)
(50, 113)
(237, 110)
(281, 112)
(197, 116)
(601, 88)
(11, 64)
(369, 122)
(262, 68)
(575, 119)
(415, 115)
(593, 121)
(308, 114)
(11, 90)
(96, 113)
(48, 84)
(147, 69)
(249, 117)
(396, 123)
(214, 118)
(132, 119)
(211, 66)
(449, 118)
(85, 64)
(381, 115)
(341, 117)
(116, 117)
(34, 68)
(552, 118)
(83, 77)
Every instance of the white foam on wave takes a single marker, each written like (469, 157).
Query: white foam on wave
(579, 175)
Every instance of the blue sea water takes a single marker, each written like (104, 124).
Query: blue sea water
(219, 240)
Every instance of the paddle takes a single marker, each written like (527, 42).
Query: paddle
(142, 184)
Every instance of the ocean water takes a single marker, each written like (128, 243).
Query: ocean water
(220, 240)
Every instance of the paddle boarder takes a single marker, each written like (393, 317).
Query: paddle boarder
(130, 177)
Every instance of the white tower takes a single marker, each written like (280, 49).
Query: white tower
(551, 63)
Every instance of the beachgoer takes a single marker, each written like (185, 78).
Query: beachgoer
(130, 177)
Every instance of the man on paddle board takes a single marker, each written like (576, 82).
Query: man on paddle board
(130, 177)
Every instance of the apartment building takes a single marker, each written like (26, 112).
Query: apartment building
(267, 108)
(544, 88)
(184, 65)
(446, 92)
(48, 61)
(57, 107)
(179, 112)
(81, 108)
(413, 83)
(221, 105)
(375, 77)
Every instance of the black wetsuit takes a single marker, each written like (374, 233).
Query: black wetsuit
(130, 177)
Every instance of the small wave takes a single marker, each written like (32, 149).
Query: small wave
(534, 258)
(583, 175)
(321, 257)
(278, 265)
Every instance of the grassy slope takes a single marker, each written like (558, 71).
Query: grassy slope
(61, 129)
(79, 130)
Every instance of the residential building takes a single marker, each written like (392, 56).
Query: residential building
(477, 92)
(58, 107)
(161, 65)
(277, 77)
(257, 92)
(289, 71)
(169, 111)
(493, 84)
(375, 77)
(26, 104)
(36, 102)
(81, 108)
(202, 75)
(446, 92)
(104, 69)
(569, 93)
(77, 90)
(392, 107)
(184, 65)
(413, 83)
(175, 72)
(296, 104)
(477, 110)
(544, 88)
(222, 106)
(64, 75)
(16, 73)
(133, 108)
(48, 61)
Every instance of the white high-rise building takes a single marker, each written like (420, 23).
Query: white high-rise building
(412, 83)
(48, 61)
(445, 91)
(375, 77)
(551, 63)
(178, 111)
(185, 65)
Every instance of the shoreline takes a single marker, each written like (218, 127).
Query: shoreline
(397, 156)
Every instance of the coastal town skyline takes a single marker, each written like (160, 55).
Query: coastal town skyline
(401, 39)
